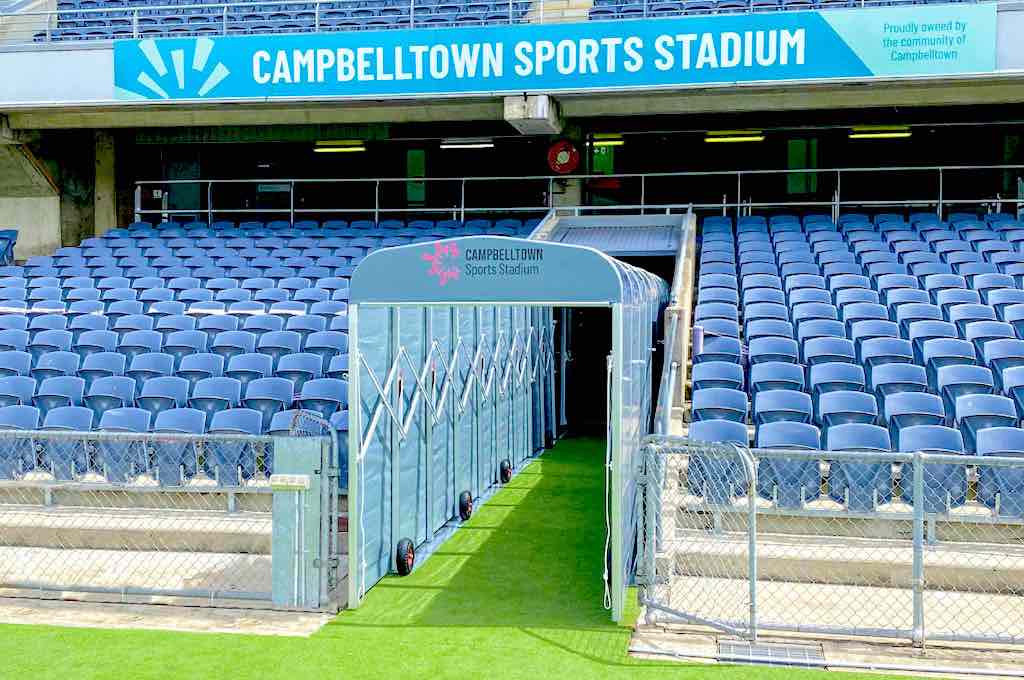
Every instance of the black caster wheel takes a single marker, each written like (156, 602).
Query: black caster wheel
(405, 557)
(465, 505)
(505, 471)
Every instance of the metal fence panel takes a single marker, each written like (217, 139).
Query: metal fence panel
(697, 563)
(918, 546)
(126, 514)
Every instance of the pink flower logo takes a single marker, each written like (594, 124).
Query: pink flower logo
(442, 262)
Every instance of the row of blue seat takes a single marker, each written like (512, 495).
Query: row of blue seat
(228, 463)
(861, 487)
(867, 334)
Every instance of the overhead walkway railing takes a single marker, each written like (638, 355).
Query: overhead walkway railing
(452, 388)
(83, 21)
(733, 192)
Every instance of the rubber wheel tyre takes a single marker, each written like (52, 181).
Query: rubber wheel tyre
(405, 557)
(465, 505)
(506, 471)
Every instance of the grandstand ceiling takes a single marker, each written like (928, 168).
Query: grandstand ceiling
(1002, 89)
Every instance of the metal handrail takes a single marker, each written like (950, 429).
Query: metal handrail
(731, 201)
(531, 11)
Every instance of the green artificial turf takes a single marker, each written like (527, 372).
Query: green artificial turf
(516, 593)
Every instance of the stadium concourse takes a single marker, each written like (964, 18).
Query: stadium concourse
(508, 336)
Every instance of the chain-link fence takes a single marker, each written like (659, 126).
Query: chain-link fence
(128, 516)
(919, 546)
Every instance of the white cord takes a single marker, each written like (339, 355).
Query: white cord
(607, 482)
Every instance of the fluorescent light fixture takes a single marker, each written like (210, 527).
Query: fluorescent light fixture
(606, 139)
(340, 146)
(467, 143)
(733, 136)
(880, 132)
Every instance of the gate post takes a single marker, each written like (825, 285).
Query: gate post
(296, 539)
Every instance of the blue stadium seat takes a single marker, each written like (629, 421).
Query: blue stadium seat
(149, 365)
(717, 479)
(975, 412)
(833, 377)
(163, 393)
(231, 343)
(707, 404)
(1001, 355)
(92, 342)
(789, 482)
(773, 349)
(300, 368)
(45, 341)
(195, 367)
(231, 458)
(717, 374)
(59, 391)
(945, 486)
(110, 392)
(860, 486)
(328, 395)
(17, 390)
(135, 343)
(843, 407)
(56, 364)
(268, 396)
(65, 459)
(958, 380)
(338, 368)
(211, 395)
(184, 343)
(1001, 488)
(173, 458)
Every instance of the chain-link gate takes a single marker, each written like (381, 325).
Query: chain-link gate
(333, 567)
(698, 560)
(917, 546)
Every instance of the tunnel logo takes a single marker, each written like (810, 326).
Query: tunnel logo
(198, 80)
(443, 259)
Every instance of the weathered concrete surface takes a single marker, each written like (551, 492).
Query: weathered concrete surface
(248, 621)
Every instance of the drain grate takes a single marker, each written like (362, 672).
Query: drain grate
(737, 651)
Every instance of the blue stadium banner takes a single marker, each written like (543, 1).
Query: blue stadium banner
(916, 40)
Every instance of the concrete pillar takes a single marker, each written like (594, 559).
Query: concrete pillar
(105, 194)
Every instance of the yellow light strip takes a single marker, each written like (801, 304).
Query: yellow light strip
(880, 135)
(338, 149)
(737, 138)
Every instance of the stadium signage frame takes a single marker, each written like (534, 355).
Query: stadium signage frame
(862, 43)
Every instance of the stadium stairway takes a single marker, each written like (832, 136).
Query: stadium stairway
(558, 11)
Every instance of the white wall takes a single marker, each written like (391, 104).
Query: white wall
(37, 220)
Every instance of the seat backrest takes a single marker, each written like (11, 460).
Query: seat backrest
(931, 439)
(76, 418)
(184, 420)
(171, 387)
(857, 437)
(237, 420)
(125, 420)
(788, 435)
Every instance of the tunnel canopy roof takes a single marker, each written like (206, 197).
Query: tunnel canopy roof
(500, 270)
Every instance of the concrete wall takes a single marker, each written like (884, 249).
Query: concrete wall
(37, 219)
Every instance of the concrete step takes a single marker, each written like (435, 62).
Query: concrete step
(995, 568)
(136, 530)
